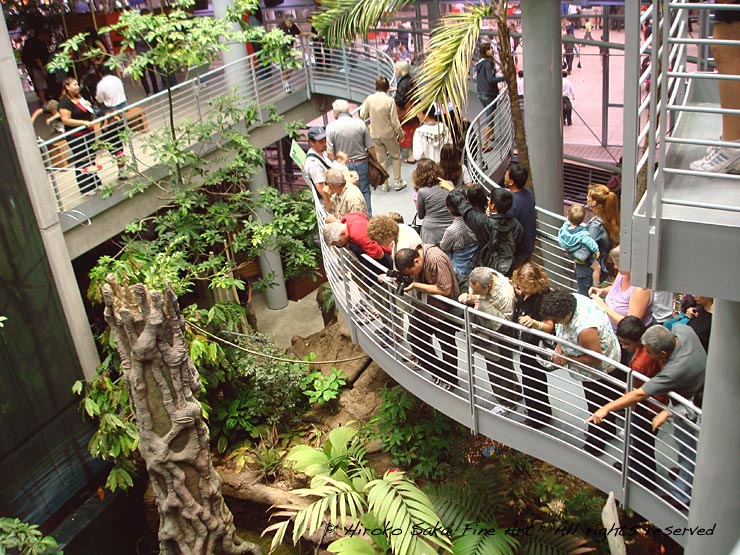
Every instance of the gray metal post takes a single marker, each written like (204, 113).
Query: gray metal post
(44, 207)
(605, 62)
(276, 296)
(631, 125)
(234, 72)
(716, 492)
(542, 68)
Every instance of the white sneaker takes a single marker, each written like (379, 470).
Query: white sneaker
(400, 185)
(500, 410)
(718, 159)
(385, 188)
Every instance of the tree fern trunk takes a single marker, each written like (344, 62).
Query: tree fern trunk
(163, 381)
(509, 71)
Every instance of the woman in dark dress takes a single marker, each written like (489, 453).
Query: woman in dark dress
(77, 115)
(531, 283)
(404, 91)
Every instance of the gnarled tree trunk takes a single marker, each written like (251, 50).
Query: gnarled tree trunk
(147, 326)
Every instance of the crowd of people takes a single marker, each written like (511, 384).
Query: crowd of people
(475, 247)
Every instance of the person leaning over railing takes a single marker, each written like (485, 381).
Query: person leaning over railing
(388, 233)
(629, 333)
(433, 275)
(579, 320)
(684, 366)
(344, 197)
(531, 285)
(491, 293)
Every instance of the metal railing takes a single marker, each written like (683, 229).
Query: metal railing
(657, 93)
(483, 163)
(448, 354)
(348, 71)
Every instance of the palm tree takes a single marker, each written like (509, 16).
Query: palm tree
(442, 77)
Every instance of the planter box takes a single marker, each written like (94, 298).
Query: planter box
(298, 288)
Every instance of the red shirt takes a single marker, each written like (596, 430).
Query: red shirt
(647, 366)
(357, 230)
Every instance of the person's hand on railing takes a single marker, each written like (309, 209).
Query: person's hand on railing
(598, 417)
(661, 418)
(558, 357)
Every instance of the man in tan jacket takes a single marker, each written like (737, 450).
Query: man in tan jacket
(385, 129)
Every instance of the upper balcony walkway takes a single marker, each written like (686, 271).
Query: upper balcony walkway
(386, 334)
(687, 222)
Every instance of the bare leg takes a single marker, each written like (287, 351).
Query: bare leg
(727, 59)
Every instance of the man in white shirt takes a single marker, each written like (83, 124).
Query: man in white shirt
(112, 96)
(317, 162)
(569, 96)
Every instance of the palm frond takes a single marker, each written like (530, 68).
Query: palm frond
(334, 497)
(443, 77)
(401, 506)
(542, 541)
(340, 21)
(455, 505)
(484, 541)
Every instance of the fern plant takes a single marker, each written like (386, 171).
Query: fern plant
(348, 495)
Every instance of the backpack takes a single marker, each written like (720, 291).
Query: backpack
(497, 252)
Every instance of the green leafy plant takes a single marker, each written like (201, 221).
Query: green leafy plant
(320, 388)
(18, 537)
(347, 491)
(105, 399)
(548, 488)
(420, 439)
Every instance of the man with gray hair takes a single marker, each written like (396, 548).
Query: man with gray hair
(491, 293)
(684, 364)
(351, 136)
(345, 197)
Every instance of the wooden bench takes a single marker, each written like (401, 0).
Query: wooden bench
(136, 118)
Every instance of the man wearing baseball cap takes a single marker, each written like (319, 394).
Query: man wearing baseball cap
(317, 162)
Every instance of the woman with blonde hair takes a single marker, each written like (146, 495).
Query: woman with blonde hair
(531, 284)
(604, 226)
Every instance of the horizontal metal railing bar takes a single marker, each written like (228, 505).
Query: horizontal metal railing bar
(566, 423)
(701, 6)
(701, 142)
(703, 42)
(699, 204)
(703, 75)
(702, 110)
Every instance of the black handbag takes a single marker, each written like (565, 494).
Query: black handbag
(415, 225)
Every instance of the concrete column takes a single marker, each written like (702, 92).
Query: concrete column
(716, 493)
(237, 74)
(44, 207)
(276, 296)
(544, 104)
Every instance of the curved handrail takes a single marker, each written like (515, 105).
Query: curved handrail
(383, 323)
(481, 164)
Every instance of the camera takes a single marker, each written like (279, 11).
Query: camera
(402, 280)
